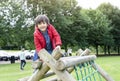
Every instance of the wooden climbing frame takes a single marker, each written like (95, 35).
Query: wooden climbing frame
(63, 66)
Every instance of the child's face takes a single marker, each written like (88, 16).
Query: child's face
(42, 26)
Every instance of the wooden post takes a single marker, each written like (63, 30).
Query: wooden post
(102, 72)
(86, 52)
(66, 62)
(50, 61)
(79, 52)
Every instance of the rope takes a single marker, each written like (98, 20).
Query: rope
(76, 71)
(85, 72)
(100, 78)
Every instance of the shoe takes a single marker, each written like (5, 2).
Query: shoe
(21, 69)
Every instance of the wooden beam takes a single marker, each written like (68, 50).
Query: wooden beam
(50, 61)
(56, 54)
(66, 62)
(102, 72)
(44, 69)
(79, 52)
(83, 53)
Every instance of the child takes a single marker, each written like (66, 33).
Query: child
(22, 59)
(45, 36)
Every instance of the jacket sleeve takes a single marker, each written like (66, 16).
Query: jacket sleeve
(37, 43)
(56, 36)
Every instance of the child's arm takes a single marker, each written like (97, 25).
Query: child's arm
(37, 43)
(56, 36)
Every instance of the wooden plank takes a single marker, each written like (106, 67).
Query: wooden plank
(50, 61)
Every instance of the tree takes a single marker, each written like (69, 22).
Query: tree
(80, 27)
(99, 34)
(113, 14)
(16, 30)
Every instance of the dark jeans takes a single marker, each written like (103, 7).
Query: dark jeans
(22, 64)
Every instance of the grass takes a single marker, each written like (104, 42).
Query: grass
(12, 72)
(111, 65)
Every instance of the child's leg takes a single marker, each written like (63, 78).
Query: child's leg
(36, 61)
(21, 65)
(36, 64)
(24, 63)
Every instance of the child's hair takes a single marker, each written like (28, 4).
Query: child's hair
(41, 18)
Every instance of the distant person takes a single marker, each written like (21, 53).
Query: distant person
(22, 59)
(45, 36)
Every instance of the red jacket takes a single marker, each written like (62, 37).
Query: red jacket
(39, 39)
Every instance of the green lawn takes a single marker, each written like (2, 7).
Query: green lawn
(111, 65)
(12, 72)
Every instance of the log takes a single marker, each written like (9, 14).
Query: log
(44, 69)
(80, 52)
(68, 69)
(102, 72)
(50, 61)
(66, 62)
(53, 79)
(48, 74)
(56, 54)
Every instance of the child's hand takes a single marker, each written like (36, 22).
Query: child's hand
(58, 48)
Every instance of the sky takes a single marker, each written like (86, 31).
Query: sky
(95, 3)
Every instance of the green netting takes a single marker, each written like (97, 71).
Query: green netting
(85, 72)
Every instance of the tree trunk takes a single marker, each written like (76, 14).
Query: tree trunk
(118, 50)
(97, 50)
(109, 50)
(105, 49)
(65, 47)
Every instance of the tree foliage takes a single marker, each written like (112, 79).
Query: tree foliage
(113, 14)
(99, 33)
(77, 26)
